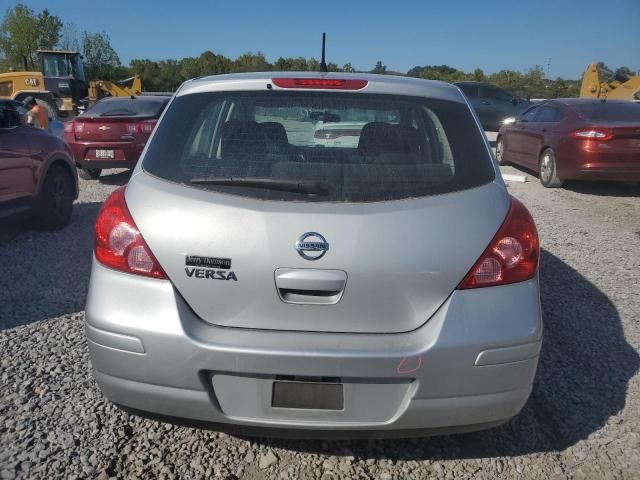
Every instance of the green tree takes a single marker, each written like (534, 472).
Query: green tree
(251, 62)
(478, 75)
(379, 68)
(212, 64)
(289, 64)
(149, 72)
(313, 65)
(624, 72)
(348, 68)
(283, 64)
(99, 56)
(444, 73)
(511, 80)
(22, 33)
(561, 88)
(69, 38)
(169, 78)
(49, 28)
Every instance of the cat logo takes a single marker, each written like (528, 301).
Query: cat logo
(31, 82)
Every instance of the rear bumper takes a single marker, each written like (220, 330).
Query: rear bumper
(597, 163)
(126, 153)
(104, 164)
(610, 172)
(470, 366)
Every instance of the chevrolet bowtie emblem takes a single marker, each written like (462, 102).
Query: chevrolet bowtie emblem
(104, 127)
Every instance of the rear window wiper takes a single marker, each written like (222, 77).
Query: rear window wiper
(310, 187)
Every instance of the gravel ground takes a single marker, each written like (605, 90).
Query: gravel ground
(583, 419)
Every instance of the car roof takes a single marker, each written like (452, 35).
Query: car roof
(473, 82)
(154, 98)
(379, 84)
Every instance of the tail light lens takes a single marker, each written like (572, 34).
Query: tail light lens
(141, 127)
(148, 126)
(78, 127)
(598, 134)
(118, 244)
(68, 127)
(513, 254)
(320, 83)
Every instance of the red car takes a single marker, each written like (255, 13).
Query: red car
(575, 139)
(37, 173)
(112, 133)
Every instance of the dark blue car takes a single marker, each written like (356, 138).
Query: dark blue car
(493, 104)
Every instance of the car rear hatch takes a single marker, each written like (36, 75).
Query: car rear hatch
(119, 119)
(617, 147)
(105, 129)
(379, 254)
(399, 261)
(616, 130)
(626, 137)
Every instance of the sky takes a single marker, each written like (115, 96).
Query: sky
(562, 36)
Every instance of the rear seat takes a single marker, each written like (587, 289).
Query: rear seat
(247, 150)
(395, 162)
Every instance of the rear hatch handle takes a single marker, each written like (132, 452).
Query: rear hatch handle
(304, 286)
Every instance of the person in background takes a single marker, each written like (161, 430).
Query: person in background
(37, 115)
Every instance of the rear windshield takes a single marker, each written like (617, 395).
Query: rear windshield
(619, 112)
(311, 146)
(128, 107)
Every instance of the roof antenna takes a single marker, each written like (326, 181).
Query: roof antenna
(323, 65)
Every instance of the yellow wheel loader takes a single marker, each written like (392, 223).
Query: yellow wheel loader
(621, 88)
(61, 84)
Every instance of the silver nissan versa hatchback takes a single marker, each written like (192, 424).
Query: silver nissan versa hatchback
(383, 283)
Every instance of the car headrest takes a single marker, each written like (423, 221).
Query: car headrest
(242, 138)
(386, 143)
(275, 133)
(377, 138)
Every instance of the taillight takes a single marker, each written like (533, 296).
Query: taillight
(78, 127)
(141, 127)
(513, 254)
(118, 244)
(599, 134)
(148, 126)
(68, 127)
(320, 83)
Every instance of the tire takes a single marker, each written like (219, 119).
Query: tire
(89, 173)
(500, 152)
(548, 171)
(56, 200)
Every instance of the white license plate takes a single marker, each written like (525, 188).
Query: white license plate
(103, 153)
